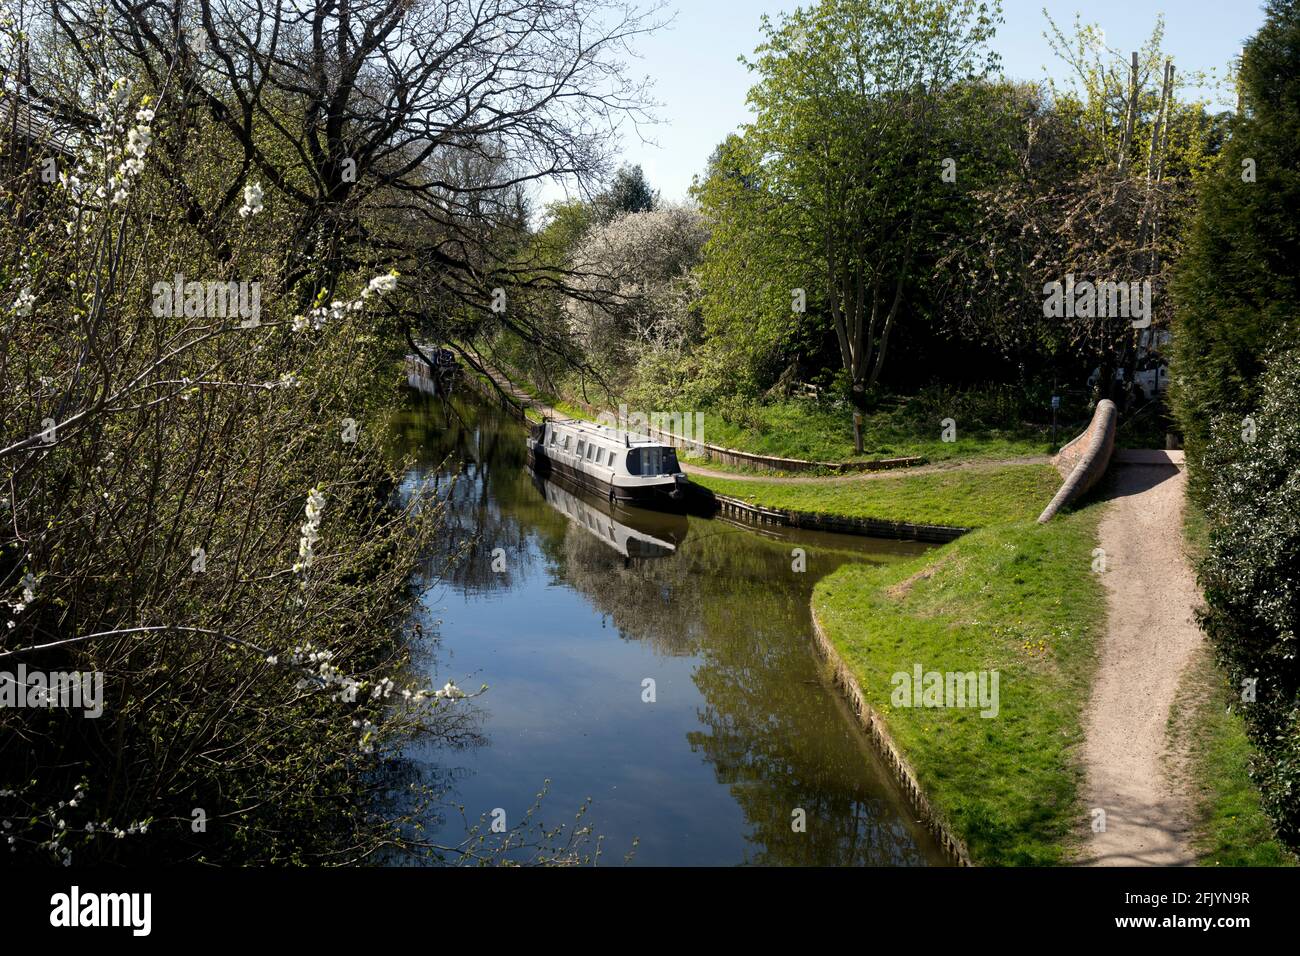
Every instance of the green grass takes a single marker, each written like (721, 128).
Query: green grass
(1231, 828)
(1020, 599)
(956, 498)
(817, 432)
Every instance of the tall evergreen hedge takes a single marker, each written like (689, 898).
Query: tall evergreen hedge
(1237, 287)
(1251, 577)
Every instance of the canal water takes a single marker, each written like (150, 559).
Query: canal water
(576, 613)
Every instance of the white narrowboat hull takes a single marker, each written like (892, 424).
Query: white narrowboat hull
(667, 491)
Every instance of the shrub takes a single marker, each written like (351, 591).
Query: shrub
(1251, 576)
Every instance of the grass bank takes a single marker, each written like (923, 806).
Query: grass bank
(1231, 828)
(1018, 598)
(814, 430)
(956, 498)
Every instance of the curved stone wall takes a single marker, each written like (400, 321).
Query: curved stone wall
(1083, 461)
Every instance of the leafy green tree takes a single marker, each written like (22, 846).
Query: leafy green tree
(565, 227)
(754, 266)
(852, 102)
(1238, 285)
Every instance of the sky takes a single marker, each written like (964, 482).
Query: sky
(701, 86)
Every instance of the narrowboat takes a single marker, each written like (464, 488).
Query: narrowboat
(617, 465)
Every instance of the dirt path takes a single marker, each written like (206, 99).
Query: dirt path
(980, 464)
(1152, 638)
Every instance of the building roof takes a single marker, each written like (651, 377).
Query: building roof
(27, 120)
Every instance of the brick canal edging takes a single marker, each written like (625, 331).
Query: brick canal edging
(740, 510)
(875, 727)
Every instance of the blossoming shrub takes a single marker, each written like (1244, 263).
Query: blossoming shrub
(187, 513)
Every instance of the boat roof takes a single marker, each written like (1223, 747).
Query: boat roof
(633, 439)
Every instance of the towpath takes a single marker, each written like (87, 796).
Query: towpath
(1132, 775)
(977, 464)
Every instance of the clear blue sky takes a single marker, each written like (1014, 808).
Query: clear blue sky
(702, 87)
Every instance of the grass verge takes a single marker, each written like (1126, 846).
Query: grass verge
(1231, 828)
(815, 432)
(818, 431)
(1020, 599)
(960, 499)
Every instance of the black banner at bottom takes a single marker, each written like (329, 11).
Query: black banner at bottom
(393, 905)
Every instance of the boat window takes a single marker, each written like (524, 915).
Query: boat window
(582, 446)
(647, 462)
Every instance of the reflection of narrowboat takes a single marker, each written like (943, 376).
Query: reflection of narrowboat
(654, 536)
(615, 464)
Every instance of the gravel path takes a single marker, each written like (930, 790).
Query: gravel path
(1152, 638)
(978, 464)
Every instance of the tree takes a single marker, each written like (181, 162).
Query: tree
(1099, 180)
(638, 270)
(629, 192)
(851, 103)
(755, 266)
(1237, 288)
(391, 134)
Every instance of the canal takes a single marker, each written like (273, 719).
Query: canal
(660, 665)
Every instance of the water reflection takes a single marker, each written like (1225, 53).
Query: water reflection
(630, 533)
(569, 607)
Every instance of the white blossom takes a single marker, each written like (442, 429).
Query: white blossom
(383, 284)
(23, 304)
(310, 532)
(317, 318)
(450, 692)
(252, 200)
(138, 141)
